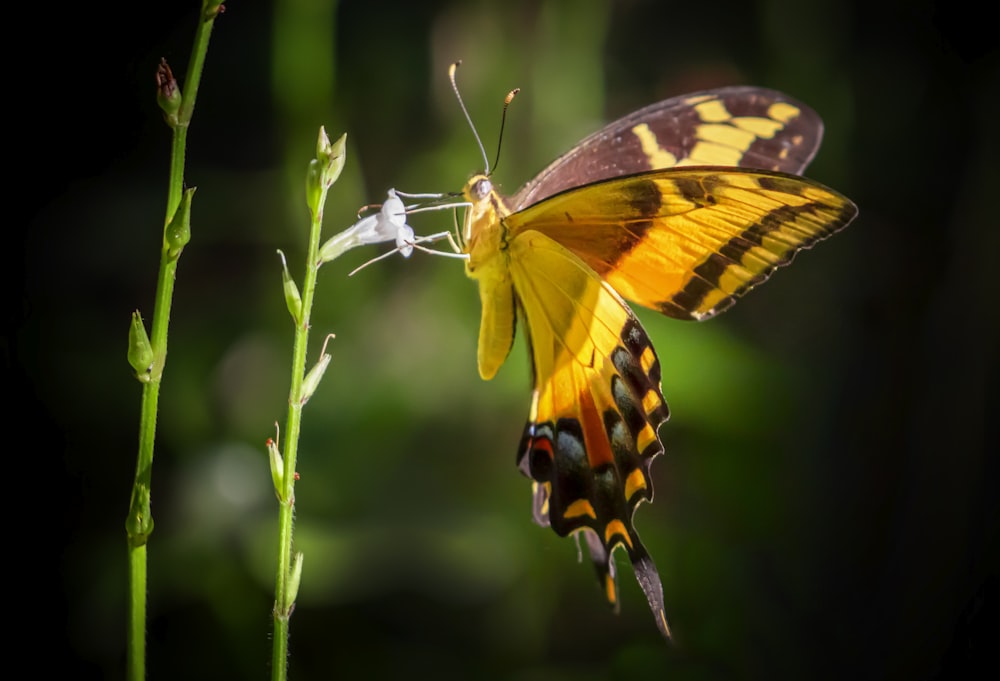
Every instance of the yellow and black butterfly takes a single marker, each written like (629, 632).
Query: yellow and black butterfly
(681, 207)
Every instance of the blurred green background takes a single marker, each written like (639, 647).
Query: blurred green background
(826, 508)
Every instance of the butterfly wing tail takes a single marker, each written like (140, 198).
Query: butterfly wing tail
(645, 573)
(649, 581)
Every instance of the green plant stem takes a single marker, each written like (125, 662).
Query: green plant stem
(139, 523)
(136, 654)
(284, 600)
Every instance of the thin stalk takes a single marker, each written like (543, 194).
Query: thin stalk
(389, 224)
(293, 425)
(323, 171)
(139, 522)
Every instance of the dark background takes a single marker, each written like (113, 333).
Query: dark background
(826, 509)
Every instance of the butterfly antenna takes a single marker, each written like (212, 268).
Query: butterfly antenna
(503, 123)
(454, 86)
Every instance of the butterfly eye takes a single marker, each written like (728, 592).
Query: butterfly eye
(481, 189)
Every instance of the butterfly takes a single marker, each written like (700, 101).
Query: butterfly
(681, 207)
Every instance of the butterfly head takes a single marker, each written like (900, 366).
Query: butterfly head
(479, 187)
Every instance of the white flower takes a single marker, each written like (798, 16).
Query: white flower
(389, 224)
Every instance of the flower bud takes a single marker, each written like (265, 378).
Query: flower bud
(178, 231)
(294, 578)
(140, 351)
(324, 170)
(335, 158)
(312, 379)
(168, 94)
(292, 298)
(277, 467)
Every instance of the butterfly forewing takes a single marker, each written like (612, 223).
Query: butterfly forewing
(735, 126)
(688, 241)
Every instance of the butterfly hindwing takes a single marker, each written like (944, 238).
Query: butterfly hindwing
(596, 406)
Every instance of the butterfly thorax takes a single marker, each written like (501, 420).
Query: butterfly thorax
(484, 234)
